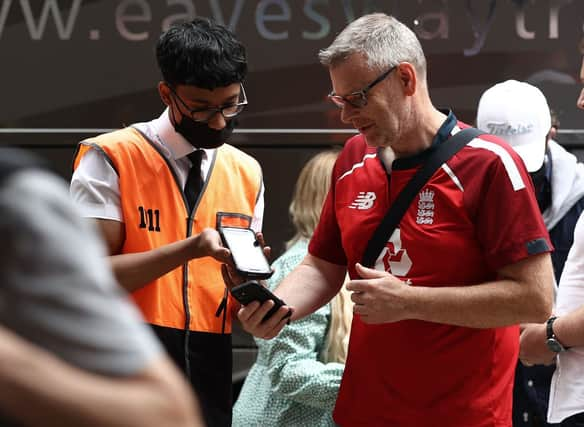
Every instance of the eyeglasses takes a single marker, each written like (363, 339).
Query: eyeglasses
(203, 115)
(358, 99)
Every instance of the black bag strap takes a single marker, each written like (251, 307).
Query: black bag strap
(441, 154)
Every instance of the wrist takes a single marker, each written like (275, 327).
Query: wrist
(195, 247)
(412, 300)
(553, 341)
(562, 332)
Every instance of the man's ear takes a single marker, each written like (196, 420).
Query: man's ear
(164, 92)
(409, 78)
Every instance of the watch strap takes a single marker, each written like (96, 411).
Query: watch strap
(549, 327)
(550, 334)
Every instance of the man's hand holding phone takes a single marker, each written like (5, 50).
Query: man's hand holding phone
(254, 318)
(251, 291)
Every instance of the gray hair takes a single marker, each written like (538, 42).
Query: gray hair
(384, 40)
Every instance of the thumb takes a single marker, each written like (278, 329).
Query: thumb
(369, 273)
(225, 254)
(221, 253)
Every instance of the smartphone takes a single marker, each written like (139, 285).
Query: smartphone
(248, 255)
(253, 291)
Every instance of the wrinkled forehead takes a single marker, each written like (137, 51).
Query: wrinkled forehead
(352, 74)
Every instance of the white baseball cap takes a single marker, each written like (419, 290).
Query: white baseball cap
(518, 113)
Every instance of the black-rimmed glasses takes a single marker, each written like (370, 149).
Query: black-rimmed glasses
(358, 99)
(203, 115)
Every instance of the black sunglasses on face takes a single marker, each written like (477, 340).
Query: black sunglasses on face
(358, 99)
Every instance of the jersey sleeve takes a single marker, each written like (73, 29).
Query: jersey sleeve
(509, 225)
(57, 289)
(326, 241)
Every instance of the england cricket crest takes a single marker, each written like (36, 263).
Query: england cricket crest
(425, 214)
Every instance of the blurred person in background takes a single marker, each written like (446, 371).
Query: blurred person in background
(519, 113)
(73, 348)
(561, 339)
(580, 100)
(296, 377)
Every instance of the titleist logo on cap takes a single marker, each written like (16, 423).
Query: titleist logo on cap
(506, 129)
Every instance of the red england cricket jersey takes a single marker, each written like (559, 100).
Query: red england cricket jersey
(475, 215)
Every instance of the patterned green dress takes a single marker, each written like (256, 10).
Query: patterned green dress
(288, 385)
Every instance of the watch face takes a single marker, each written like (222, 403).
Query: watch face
(554, 345)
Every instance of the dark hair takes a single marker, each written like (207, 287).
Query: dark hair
(555, 119)
(201, 53)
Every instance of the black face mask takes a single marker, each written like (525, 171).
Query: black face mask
(543, 191)
(200, 135)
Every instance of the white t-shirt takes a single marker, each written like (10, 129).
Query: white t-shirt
(567, 388)
(95, 187)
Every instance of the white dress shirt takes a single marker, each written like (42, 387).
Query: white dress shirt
(567, 388)
(95, 187)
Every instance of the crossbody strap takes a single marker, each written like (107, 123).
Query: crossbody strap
(439, 155)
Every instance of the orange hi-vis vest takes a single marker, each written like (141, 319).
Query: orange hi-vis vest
(155, 214)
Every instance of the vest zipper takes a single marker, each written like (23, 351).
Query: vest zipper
(186, 306)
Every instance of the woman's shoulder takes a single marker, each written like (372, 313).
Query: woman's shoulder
(287, 262)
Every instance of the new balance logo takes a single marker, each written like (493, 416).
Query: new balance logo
(363, 201)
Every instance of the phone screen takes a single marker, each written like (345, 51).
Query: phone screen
(247, 254)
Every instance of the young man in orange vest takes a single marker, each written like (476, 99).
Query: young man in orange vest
(158, 189)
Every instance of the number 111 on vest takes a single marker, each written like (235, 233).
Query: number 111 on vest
(149, 219)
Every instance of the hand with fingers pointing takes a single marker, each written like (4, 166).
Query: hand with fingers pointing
(379, 297)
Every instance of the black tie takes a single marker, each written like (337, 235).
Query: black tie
(194, 182)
